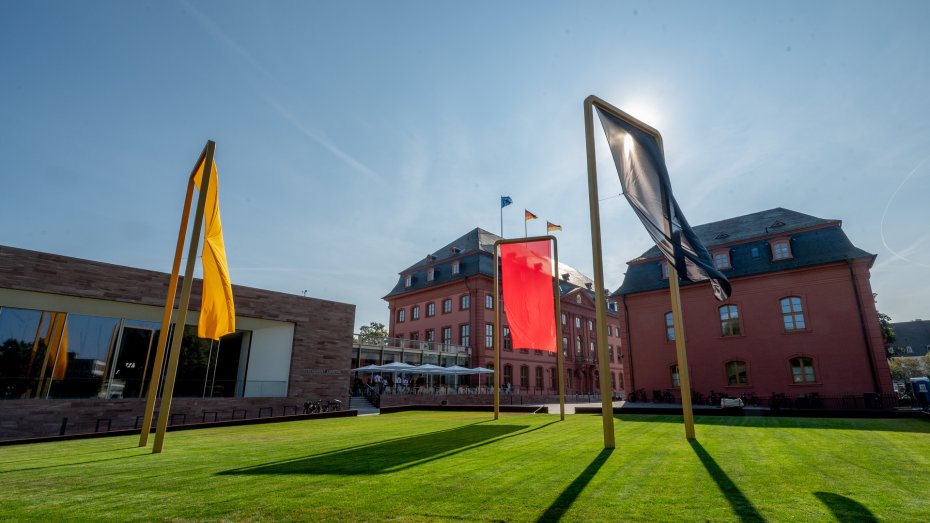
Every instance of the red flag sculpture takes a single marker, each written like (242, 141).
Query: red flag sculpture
(526, 277)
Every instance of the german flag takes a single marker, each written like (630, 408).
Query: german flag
(552, 227)
(527, 215)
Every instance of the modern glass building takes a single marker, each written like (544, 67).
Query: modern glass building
(80, 336)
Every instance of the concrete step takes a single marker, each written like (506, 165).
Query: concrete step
(362, 405)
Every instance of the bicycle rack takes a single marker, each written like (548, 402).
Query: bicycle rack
(183, 418)
(263, 409)
(290, 407)
(204, 417)
(97, 427)
(243, 411)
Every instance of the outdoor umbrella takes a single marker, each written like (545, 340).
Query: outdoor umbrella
(429, 369)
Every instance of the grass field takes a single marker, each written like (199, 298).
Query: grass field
(430, 466)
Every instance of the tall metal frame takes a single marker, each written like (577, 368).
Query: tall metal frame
(180, 316)
(684, 376)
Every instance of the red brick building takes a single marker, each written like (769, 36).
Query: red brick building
(446, 299)
(801, 320)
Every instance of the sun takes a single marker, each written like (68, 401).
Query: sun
(643, 111)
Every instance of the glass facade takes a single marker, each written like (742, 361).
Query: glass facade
(53, 354)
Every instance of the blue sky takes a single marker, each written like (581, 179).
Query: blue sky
(355, 137)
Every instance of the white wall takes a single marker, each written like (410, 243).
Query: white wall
(269, 359)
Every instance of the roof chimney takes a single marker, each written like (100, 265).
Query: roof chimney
(589, 285)
(565, 276)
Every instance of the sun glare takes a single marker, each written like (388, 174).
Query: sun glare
(643, 112)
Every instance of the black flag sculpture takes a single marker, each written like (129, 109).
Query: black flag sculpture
(645, 183)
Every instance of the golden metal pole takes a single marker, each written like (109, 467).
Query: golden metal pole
(497, 340)
(155, 379)
(181, 318)
(559, 355)
(600, 301)
(684, 378)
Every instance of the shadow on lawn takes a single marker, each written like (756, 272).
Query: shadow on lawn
(392, 455)
(71, 464)
(846, 510)
(570, 494)
(741, 505)
(882, 424)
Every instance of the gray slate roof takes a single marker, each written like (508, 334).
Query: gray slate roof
(825, 244)
(475, 253)
(913, 334)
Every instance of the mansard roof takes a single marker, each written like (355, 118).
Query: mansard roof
(814, 241)
(914, 334)
(475, 253)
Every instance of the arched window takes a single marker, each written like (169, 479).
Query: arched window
(669, 327)
(508, 375)
(524, 377)
(802, 370)
(676, 381)
(400, 315)
(489, 378)
(553, 378)
(736, 373)
(729, 320)
(792, 313)
(540, 384)
(578, 345)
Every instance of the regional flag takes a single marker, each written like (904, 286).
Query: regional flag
(552, 227)
(217, 311)
(527, 215)
(505, 201)
(529, 301)
(644, 179)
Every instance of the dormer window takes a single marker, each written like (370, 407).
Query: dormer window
(781, 250)
(408, 280)
(430, 274)
(665, 270)
(721, 236)
(722, 260)
(455, 267)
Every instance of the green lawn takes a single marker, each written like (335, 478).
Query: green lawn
(429, 466)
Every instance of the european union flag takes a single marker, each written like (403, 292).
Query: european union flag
(505, 201)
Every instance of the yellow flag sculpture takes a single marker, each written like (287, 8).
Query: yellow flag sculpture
(217, 311)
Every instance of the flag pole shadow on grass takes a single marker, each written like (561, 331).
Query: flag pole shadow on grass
(568, 496)
(846, 510)
(743, 508)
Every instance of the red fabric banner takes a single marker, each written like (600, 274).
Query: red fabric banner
(526, 279)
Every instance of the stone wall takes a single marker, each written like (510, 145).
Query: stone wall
(20, 419)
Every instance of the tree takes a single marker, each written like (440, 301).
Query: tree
(374, 332)
(884, 320)
(903, 369)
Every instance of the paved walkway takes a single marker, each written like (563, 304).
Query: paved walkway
(570, 407)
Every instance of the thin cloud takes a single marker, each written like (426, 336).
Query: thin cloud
(230, 44)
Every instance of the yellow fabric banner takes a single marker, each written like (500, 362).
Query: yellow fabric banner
(217, 311)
